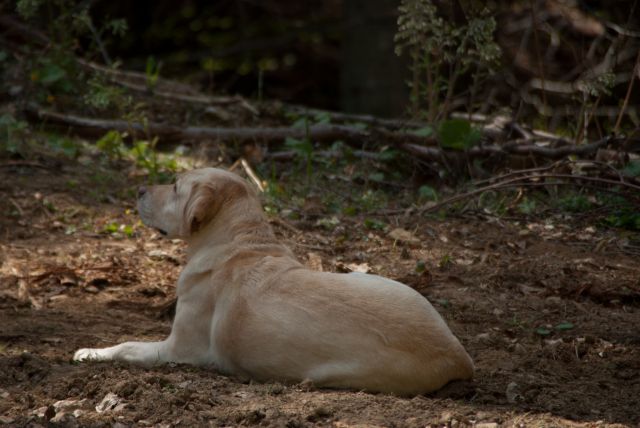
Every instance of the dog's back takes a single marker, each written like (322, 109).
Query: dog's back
(346, 330)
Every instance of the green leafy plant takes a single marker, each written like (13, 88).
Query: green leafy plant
(371, 200)
(152, 71)
(543, 331)
(159, 168)
(377, 177)
(458, 134)
(441, 51)
(328, 223)
(304, 151)
(564, 326)
(118, 229)
(112, 144)
(575, 203)
(425, 132)
(55, 70)
(12, 134)
(445, 261)
(102, 96)
(373, 224)
(625, 217)
(632, 169)
(527, 206)
(52, 75)
(427, 193)
(64, 145)
(28, 8)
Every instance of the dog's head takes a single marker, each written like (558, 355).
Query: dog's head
(181, 209)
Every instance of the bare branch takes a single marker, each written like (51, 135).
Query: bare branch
(527, 180)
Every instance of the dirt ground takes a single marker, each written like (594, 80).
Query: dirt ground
(549, 309)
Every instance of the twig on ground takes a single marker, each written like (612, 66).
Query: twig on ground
(634, 74)
(517, 147)
(18, 207)
(285, 224)
(25, 164)
(287, 155)
(521, 172)
(350, 117)
(252, 174)
(521, 181)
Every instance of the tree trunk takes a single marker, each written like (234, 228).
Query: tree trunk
(373, 77)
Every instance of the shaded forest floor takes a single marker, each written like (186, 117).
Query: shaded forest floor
(549, 310)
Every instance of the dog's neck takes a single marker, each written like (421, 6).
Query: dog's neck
(242, 225)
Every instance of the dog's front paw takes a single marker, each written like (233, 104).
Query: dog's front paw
(87, 354)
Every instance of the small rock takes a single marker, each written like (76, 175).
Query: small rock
(483, 337)
(519, 349)
(110, 402)
(64, 418)
(554, 300)
(487, 425)
(358, 267)
(161, 255)
(91, 289)
(445, 417)
(39, 412)
(69, 404)
(553, 343)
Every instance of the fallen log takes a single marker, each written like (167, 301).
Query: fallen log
(516, 147)
(85, 125)
(421, 147)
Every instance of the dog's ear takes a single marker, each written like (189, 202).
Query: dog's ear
(199, 208)
(206, 201)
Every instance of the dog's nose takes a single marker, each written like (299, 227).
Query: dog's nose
(141, 191)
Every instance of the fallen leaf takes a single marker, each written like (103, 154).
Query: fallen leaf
(403, 235)
(564, 326)
(353, 267)
(543, 331)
